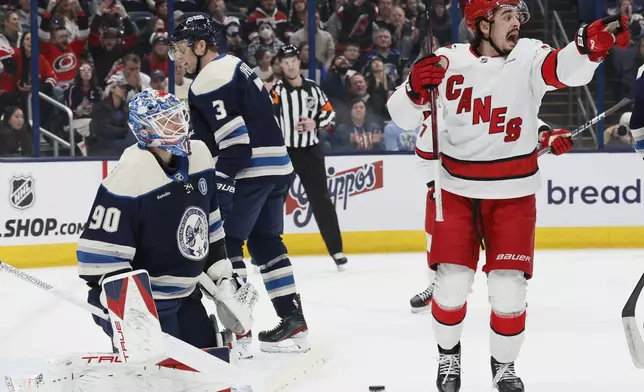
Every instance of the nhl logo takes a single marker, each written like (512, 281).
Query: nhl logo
(311, 103)
(21, 192)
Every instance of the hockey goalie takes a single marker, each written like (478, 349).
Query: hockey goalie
(489, 92)
(154, 241)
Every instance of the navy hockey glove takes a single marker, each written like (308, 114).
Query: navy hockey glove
(426, 74)
(225, 193)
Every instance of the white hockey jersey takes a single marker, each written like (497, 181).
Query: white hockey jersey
(487, 115)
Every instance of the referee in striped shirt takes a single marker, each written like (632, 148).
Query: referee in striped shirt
(302, 109)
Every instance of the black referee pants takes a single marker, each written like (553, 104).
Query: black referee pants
(308, 163)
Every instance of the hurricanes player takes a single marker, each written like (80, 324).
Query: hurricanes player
(489, 93)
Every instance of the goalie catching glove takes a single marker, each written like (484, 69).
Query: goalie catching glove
(234, 298)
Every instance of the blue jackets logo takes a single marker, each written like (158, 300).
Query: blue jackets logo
(192, 234)
(609, 194)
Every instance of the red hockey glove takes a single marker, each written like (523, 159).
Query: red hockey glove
(597, 38)
(559, 140)
(426, 73)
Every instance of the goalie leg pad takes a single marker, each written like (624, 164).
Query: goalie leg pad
(134, 318)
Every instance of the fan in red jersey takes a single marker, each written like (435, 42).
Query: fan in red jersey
(16, 79)
(62, 50)
(489, 94)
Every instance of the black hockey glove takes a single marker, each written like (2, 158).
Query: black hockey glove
(225, 193)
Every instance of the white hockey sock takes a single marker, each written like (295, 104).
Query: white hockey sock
(453, 285)
(448, 325)
(507, 292)
(507, 334)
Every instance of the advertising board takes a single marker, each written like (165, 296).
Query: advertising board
(587, 200)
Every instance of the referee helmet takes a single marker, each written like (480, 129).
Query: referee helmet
(288, 51)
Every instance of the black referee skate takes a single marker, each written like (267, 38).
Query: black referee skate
(340, 261)
(289, 335)
(449, 369)
(505, 379)
(423, 300)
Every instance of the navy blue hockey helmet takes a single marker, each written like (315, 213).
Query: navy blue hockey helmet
(195, 28)
(288, 51)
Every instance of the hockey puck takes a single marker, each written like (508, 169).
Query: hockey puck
(377, 388)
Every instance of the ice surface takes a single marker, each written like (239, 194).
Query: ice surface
(575, 341)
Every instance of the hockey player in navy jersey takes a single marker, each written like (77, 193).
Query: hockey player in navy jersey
(233, 114)
(157, 211)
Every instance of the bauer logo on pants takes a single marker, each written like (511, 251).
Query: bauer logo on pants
(21, 192)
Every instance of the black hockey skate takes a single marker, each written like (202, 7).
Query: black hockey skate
(504, 377)
(423, 300)
(289, 335)
(340, 261)
(449, 369)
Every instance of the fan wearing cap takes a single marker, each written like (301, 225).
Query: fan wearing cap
(488, 94)
(63, 49)
(158, 81)
(235, 45)
(108, 129)
(112, 35)
(302, 109)
(233, 114)
(157, 60)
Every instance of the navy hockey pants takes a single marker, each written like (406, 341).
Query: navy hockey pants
(184, 318)
(257, 216)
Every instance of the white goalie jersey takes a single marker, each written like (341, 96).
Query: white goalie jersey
(487, 115)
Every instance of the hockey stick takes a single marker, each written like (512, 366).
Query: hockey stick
(180, 351)
(633, 336)
(438, 194)
(592, 122)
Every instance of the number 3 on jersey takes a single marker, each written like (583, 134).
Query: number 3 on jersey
(108, 219)
(220, 109)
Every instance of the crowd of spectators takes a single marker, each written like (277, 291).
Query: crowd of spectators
(621, 64)
(96, 54)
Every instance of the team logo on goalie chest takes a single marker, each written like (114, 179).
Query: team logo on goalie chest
(192, 234)
(21, 192)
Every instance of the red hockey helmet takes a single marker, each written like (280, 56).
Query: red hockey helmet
(477, 10)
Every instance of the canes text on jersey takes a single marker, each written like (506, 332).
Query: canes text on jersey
(482, 110)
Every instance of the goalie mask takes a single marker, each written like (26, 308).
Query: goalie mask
(160, 119)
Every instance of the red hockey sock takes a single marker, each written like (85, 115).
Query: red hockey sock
(449, 316)
(507, 325)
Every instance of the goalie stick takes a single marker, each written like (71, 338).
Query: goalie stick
(220, 371)
(633, 336)
(180, 351)
(592, 122)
